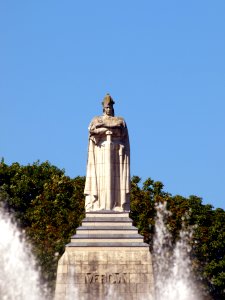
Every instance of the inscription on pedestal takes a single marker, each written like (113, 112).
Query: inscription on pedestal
(106, 278)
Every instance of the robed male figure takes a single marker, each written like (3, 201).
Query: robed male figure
(107, 184)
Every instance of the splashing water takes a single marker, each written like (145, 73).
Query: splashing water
(173, 275)
(19, 279)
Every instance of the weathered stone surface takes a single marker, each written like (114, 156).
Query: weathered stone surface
(117, 270)
(107, 258)
(100, 275)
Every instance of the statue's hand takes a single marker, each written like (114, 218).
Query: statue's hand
(101, 130)
(109, 132)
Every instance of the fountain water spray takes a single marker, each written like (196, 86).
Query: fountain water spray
(19, 278)
(172, 264)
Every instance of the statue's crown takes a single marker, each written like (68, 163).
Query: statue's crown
(107, 100)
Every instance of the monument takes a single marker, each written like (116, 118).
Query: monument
(107, 184)
(106, 258)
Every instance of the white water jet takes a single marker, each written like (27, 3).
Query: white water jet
(172, 264)
(19, 278)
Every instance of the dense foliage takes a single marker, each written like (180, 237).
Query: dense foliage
(49, 206)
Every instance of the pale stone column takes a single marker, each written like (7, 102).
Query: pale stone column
(107, 258)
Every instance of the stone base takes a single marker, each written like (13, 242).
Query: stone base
(97, 270)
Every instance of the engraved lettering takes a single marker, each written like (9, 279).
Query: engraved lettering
(89, 278)
(124, 278)
(113, 278)
(103, 278)
(96, 277)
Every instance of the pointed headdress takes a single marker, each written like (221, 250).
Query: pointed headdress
(108, 100)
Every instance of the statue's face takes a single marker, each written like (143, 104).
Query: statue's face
(108, 110)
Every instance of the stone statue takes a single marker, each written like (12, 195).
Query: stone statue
(107, 184)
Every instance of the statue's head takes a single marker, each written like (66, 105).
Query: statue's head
(108, 105)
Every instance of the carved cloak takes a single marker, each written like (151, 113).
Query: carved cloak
(108, 166)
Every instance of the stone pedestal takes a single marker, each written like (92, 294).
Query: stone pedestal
(106, 259)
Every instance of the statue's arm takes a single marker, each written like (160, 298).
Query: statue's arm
(96, 127)
(98, 130)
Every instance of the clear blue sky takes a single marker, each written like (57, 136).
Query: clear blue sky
(163, 62)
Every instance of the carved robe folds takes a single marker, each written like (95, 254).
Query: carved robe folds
(107, 184)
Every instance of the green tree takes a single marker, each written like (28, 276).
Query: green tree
(49, 206)
(54, 215)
